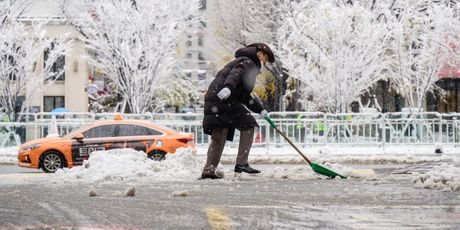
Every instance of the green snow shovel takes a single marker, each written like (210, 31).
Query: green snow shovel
(316, 167)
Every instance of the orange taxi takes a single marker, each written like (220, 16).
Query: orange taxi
(50, 154)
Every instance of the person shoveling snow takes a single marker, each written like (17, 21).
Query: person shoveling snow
(227, 104)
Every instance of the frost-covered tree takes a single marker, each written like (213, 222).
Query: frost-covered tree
(22, 48)
(235, 25)
(133, 42)
(335, 49)
(422, 31)
(226, 28)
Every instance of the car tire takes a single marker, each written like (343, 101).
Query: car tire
(157, 155)
(51, 161)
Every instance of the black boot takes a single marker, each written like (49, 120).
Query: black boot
(210, 176)
(245, 168)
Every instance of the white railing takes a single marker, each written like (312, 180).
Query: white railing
(356, 129)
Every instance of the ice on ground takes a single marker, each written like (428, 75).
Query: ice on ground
(130, 191)
(296, 173)
(444, 177)
(9, 155)
(340, 169)
(132, 165)
(304, 171)
(92, 192)
(180, 193)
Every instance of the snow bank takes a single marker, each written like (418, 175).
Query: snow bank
(128, 165)
(132, 165)
(343, 159)
(444, 177)
(403, 154)
(9, 155)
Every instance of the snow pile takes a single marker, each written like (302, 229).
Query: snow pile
(132, 165)
(9, 155)
(302, 172)
(296, 173)
(444, 177)
(340, 169)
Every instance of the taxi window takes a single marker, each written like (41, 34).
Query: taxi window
(100, 131)
(136, 130)
(154, 132)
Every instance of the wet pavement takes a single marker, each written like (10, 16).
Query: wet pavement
(381, 201)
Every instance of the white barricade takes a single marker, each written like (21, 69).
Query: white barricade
(304, 128)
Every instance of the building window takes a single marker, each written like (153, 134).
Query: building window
(52, 102)
(188, 55)
(448, 102)
(189, 43)
(57, 68)
(200, 41)
(203, 24)
(200, 56)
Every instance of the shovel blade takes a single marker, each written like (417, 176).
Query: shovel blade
(325, 171)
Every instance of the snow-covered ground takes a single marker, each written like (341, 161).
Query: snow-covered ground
(445, 177)
(132, 166)
(403, 154)
(9, 155)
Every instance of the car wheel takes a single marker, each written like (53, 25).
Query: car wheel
(51, 161)
(157, 155)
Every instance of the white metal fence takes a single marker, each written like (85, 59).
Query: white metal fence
(306, 128)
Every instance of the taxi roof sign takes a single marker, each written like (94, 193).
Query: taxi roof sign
(118, 117)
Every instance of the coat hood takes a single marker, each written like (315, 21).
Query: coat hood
(250, 52)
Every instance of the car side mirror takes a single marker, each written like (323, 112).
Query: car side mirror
(78, 137)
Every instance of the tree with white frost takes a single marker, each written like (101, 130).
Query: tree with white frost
(422, 31)
(23, 72)
(133, 42)
(336, 50)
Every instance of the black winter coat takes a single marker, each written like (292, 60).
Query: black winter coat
(239, 76)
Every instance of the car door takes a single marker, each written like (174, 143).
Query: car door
(134, 136)
(97, 138)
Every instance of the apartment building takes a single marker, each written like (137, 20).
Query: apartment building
(68, 91)
(194, 55)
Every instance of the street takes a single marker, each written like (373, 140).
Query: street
(381, 201)
(336, 114)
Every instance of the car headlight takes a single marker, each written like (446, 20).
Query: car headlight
(31, 147)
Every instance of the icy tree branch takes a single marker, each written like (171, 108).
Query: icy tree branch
(134, 44)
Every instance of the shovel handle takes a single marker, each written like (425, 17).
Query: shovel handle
(272, 124)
